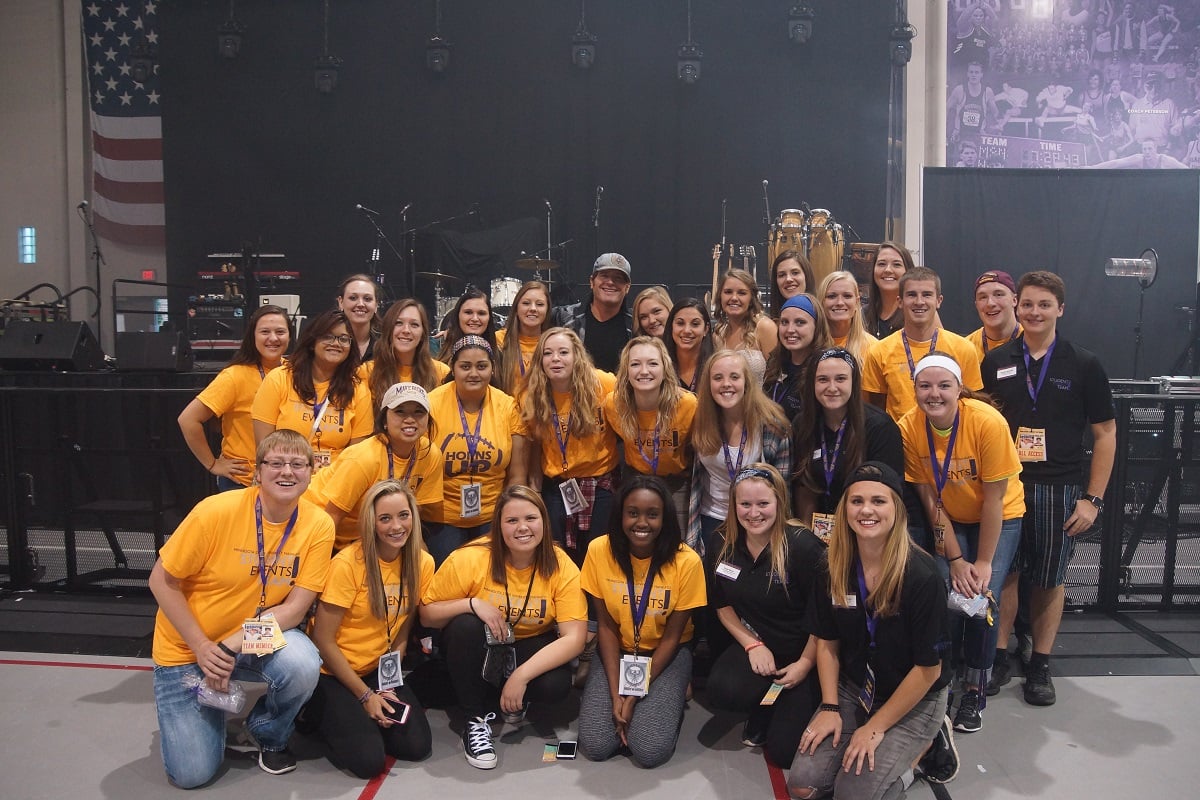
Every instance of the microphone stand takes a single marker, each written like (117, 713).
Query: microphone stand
(99, 260)
(383, 236)
(411, 264)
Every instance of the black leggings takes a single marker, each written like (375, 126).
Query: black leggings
(465, 647)
(356, 742)
(733, 686)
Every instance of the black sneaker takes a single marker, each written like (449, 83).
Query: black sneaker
(276, 762)
(477, 743)
(940, 762)
(1001, 676)
(968, 719)
(1039, 688)
(754, 732)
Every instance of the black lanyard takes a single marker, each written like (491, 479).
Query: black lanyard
(508, 601)
(637, 609)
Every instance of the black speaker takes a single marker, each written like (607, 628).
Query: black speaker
(64, 346)
(165, 351)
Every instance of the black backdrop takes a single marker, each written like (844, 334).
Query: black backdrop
(1071, 222)
(253, 153)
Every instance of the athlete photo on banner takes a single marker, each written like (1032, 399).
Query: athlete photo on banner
(1061, 84)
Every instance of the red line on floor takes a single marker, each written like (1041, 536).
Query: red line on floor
(78, 664)
(778, 779)
(372, 788)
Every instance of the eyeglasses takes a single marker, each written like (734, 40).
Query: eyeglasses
(278, 464)
(341, 339)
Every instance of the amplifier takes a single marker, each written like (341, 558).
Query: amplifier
(62, 346)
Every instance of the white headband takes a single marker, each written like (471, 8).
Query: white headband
(945, 362)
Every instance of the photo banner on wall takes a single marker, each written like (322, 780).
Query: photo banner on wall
(1062, 84)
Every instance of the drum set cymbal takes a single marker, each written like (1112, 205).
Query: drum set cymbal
(535, 264)
(439, 276)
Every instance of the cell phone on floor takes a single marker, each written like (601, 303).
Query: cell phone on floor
(566, 750)
(399, 713)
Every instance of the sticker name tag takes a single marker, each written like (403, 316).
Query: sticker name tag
(1006, 372)
(727, 570)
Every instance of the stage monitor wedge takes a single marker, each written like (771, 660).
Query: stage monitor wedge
(44, 346)
(164, 351)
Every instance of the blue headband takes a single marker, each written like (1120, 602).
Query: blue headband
(802, 302)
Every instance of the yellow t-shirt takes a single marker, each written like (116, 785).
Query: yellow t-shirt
(674, 440)
(527, 345)
(586, 457)
(467, 573)
(361, 637)
(886, 371)
(403, 373)
(976, 338)
(214, 553)
(230, 396)
(360, 466)
(983, 451)
(278, 404)
(678, 587)
(493, 455)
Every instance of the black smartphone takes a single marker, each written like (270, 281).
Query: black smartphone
(566, 750)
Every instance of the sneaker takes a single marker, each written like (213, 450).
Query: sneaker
(275, 762)
(1039, 688)
(754, 732)
(968, 719)
(1001, 676)
(477, 743)
(940, 762)
(515, 718)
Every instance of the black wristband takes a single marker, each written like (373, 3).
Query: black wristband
(227, 651)
(952, 560)
(834, 707)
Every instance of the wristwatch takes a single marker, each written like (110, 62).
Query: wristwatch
(1098, 502)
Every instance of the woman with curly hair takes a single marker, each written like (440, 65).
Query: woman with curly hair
(316, 392)
(741, 322)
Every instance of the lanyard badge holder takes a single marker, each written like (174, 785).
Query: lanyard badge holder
(941, 475)
(261, 635)
(572, 495)
(389, 674)
(635, 668)
(470, 494)
(866, 695)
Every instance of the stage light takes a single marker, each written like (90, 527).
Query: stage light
(800, 22)
(687, 65)
(900, 43)
(583, 43)
(1145, 269)
(229, 35)
(325, 68)
(437, 49)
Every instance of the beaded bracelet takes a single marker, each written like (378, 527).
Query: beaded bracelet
(834, 707)
(366, 695)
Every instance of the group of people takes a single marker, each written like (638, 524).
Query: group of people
(606, 495)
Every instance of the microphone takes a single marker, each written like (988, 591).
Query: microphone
(82, 206)
(549, 207)
(599, 191)
(806, 209)
(474, 209)
(361, 207)
(766, 205)
(404, 210)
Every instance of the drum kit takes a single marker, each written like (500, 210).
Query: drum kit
(503, 290)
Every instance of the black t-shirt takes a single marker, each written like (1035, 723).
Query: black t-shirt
(1074, 396)
(916, 636)
(604, 341)
(786, 389)
(775, 610)
(883, 443)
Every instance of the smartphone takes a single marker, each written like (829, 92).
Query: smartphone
(399, 713)
(492, 641)
(566, 750)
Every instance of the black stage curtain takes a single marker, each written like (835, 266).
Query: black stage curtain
(253, 153)
(1071, 222)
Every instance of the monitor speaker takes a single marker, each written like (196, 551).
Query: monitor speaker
(61, 346)
(165, 351)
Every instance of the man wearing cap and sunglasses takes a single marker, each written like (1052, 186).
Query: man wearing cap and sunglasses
(602, 321)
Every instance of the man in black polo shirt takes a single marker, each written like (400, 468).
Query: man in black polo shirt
(602, 321)
(1051, 392)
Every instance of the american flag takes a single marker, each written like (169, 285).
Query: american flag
(126, 119)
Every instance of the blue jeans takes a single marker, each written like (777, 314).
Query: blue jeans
(441, 539)
(979, 638)
(193, 736)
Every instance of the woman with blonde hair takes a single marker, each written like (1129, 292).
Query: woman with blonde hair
(360, 707)
(650, 310)
(763, 568)
(881, 644)
(742, 323)
(408, 358)
(843, 314)
(518, 340)
(652, 415)
(736, 424)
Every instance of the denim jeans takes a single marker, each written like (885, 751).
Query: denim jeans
(193, 736)
(979, 638)
(441, 539)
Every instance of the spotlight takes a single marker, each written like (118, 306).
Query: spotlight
(141, 60)
(325, 73)
(229, 35)
(900, 43)
(437, 54)
(800, 22)
(1145, 269)
(583, 43)
(688, 65)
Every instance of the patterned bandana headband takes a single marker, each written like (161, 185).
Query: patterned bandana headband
(752, 472)
(471, 340)
(839, 352)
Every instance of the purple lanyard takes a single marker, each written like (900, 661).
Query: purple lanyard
(637, 609)
(1035, 392)
(872, 617)
(829, 460)
(912, 367)
(412, 459)
(656, 449)
(942, 475)
(262, 552)
(563, 438)
(730, 467)
(472, 438)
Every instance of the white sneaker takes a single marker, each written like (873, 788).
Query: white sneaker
(477, 743)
